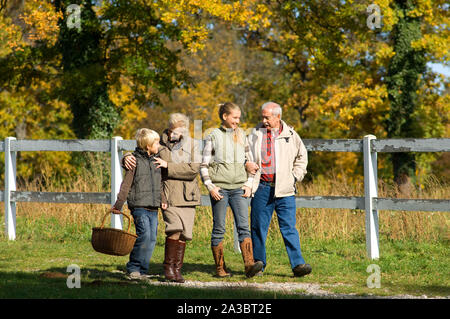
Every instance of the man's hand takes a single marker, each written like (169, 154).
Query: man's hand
(164, 206)
(215, 193)
(161, 162)
(130, 162)
(247, 191)
(251, 167)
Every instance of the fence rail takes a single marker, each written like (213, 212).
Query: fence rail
(316, 145)
(338, 202)
(369, 146)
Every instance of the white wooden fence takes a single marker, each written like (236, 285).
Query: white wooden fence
(369, 145)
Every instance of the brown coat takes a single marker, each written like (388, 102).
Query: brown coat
(179, 180)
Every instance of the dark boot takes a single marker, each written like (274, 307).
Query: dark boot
(251, 268)
(179, 257)
(219, 260)
(170, 251)
(302, 270)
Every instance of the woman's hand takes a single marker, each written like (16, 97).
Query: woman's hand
(161, 162)
(130, 162)
(215, 193)
(164, 206)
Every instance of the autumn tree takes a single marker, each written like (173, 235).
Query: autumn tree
(341, 70)
(330, 58)
(121, 58)
(29, 107)
(136, 61)
(225, 69)
(83, 72)
(403, 82)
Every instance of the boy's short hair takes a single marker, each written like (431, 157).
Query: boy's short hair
(145, 136)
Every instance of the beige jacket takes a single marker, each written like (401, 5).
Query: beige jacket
(291, 159)
(179, 180)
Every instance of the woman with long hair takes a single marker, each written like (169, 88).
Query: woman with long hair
(223, 172)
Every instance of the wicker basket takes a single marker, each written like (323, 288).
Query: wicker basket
(112, 241)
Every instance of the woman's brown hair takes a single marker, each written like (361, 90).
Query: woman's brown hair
(226, 108)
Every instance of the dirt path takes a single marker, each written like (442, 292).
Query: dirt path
(300, 289)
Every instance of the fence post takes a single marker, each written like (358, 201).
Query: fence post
(116, 179)
(370, 191)
(237, 247)
(10, 185)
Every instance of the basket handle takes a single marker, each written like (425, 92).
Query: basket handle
(116, 211)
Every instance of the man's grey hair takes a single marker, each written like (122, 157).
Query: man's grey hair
(276, 108)
(175, 119)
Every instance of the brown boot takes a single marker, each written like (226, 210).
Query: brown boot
(179, 256)
(251, 268)
(219, 260)
(170, 251)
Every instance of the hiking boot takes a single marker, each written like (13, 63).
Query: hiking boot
(302, 270)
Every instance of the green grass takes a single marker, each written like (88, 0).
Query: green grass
(45, 246)
(414, 246)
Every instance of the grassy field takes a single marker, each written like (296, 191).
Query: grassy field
(45, 248)
(414, 249)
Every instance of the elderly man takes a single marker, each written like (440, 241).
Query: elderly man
(276, 160)
(180, 190)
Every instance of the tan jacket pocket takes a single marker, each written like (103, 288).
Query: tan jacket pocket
(190, 192)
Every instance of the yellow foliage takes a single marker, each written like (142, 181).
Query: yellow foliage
(349, 109)
(10, 36)
(132, 112)
(435, 44)
(41, 20)
(25, 117)
(182, 13)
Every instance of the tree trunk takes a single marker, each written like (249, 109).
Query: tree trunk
(85, 84)
(402, 81)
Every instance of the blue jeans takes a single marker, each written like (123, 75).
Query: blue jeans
(146, 223)
(262, 206)
(239, 206)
